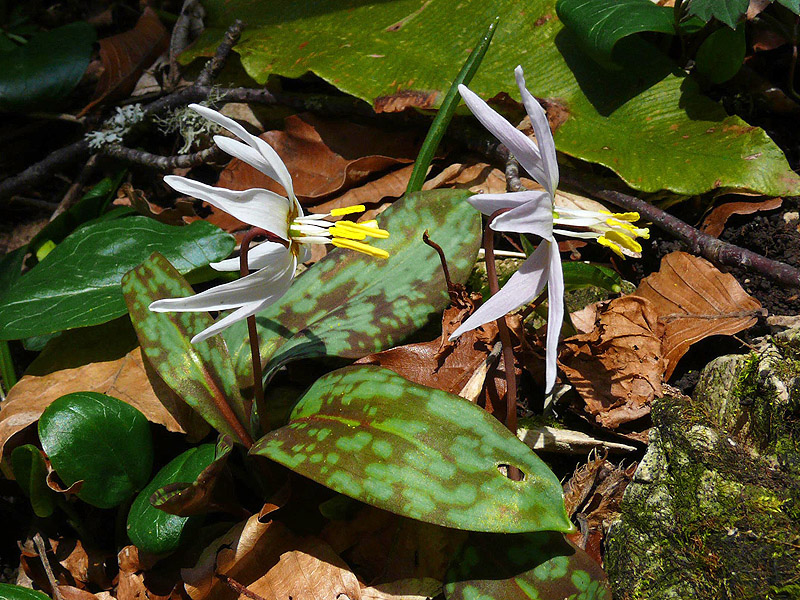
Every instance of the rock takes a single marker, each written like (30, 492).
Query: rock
(713, 510)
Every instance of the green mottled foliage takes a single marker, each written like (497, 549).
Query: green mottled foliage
(350, 305)
(77, 284)
(101, 441)
(201, 374)
(422, 453)
(529, 566)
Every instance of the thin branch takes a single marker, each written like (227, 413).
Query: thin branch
(163, 163)
(513, 183)
(41, 549)
(213, 67)
(55, 160)
(74, 191)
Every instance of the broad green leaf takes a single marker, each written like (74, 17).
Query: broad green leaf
(792, 5)
(46, 69)
(201, 374)
(78, 283)
(648, 122)
(580, 274)
(30, 471)
(727, 11)
(17, 592)
(529, 566)
(155, 531)
(422, 453)
(600, 24)
(351, 305)
(101, 441)
(721, 55)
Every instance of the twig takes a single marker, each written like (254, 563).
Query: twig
(164, 163)
(702, 244)
(55, 160)
(42, 550)
(513, 183)
(74, 190)
(213, 67)
(238, 587)
(191, 11)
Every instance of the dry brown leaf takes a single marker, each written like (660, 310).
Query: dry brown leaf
(404, 589)
(69, 592)
(480, 178)
(324, 157)
(617, 368)
(694, 300)
(272, 562)
(405, 99)
(126, 55)
(123, 378)
(391, 185)
(714, 223)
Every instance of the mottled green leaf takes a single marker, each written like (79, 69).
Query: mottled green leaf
(648, 122)
(30, 471)
(101, 441)
(199, 373)
(155, 531)
(42, 72)
(422, 453)
(600, 24)
(727, 11)
(17, 592)
(350, 305)
(529, 566)
(78, 282)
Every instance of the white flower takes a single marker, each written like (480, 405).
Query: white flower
(281, 216)
(533, 212)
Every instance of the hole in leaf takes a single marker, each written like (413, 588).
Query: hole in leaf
(504, 469)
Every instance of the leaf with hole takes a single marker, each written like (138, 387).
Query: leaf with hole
(101, 441)
(351, 305)
(201, 374)
(422, 453)
(30, 471)
(78, 283)
(158, 532)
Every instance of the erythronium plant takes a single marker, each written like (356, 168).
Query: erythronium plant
(534, 212)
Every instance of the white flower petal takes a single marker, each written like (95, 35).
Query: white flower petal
(544, 137)
(264, 158)
(523, 149)
(270, 282)
(555, 314)
(258, 257)
(488, 204)
(523, 286)
(256, 206)
(239, 314)
(535, 216)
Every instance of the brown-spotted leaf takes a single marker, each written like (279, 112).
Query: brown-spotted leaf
(617, 368)
(126, 55)
(271, 562)
(693, 300)
(325, 156)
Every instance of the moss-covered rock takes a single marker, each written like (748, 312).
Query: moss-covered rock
(713, 510)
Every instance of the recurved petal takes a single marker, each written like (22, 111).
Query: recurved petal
(555, 313)
(523, 286)
(256, 206)
(262, 156)
(544, 137)
(534, 216)
(523, 149)
(271, 282)
(490, 203)
(258, 257)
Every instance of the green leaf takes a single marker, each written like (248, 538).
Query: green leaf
(350, 305)
(17, 592)
(201, 374)
(792, 5)
(30, 471)
(422, 453)
(600, 24)
(727, 11)
(155, 531)
(721, 55)
(579, 274)
(43, 71)
(529, 566)
(101, 441)
(78, 283)
(647, 122)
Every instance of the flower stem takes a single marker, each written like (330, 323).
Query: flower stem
(505, 339)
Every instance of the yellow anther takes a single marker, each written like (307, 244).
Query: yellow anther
(623, 240)
(359, 247)
(346, 232)
(609, 244)
(626, 216)
(348, 210)
(361, 228)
